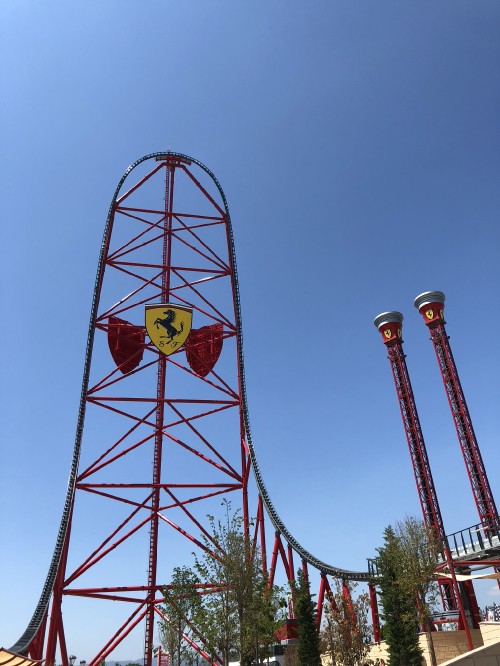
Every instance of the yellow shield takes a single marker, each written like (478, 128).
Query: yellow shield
(168, 325)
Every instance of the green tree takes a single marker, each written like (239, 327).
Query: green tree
(181, 601)
(235, 611)
(266, 614)
(418, 551)
(308, 644)
(398, 603)
(346, 632)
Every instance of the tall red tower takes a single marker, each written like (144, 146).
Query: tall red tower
(160, 437)
(430, 304)
(163, 430)
(390, 326)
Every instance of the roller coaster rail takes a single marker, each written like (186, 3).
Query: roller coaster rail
(40, 614)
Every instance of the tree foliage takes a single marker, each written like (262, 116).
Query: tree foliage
(346, 632)
(308, 644)
(399, 610)
(419, 550)
(233, 609)
(181, 602)
(407, 564)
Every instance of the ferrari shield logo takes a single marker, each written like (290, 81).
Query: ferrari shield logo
(168, 325)
(387, 333)
(429, 314)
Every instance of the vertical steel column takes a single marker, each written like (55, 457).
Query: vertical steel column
(291, 572)
(159, 423)
(375, 614)
(305, 570)
(260, 522)
(321, 599)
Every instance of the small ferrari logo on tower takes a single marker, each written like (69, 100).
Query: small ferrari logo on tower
(168, 325)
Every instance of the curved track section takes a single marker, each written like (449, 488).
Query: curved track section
(40, 614)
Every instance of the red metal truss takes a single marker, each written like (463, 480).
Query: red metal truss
(431, 307)
(160, 440)
(390, 326)
(152, 456)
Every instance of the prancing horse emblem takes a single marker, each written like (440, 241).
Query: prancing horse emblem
(168, 326)
(172, 332)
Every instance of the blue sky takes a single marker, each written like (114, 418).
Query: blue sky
(358, 144)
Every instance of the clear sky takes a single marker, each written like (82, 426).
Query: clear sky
(358, 144)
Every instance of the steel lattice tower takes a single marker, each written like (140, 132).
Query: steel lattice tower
(152, 462)
(430, 304)
(390, 326)
(160, 440)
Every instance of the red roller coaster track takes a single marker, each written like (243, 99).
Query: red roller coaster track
(166, 437)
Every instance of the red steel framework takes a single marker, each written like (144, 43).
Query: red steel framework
(166, 437)
(390, 326)
(430, 304)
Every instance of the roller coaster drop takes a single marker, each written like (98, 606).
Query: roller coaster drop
(167, 432)
(166, 436)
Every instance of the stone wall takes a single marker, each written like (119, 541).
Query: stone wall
(447, 645)
(487, 655)
(450, 645)
(490, 632)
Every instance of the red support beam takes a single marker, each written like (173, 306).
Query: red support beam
(260, 521)
(374, 612)
(346, 593)
(321, 598)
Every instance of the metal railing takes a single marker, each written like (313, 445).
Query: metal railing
(477, 540)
